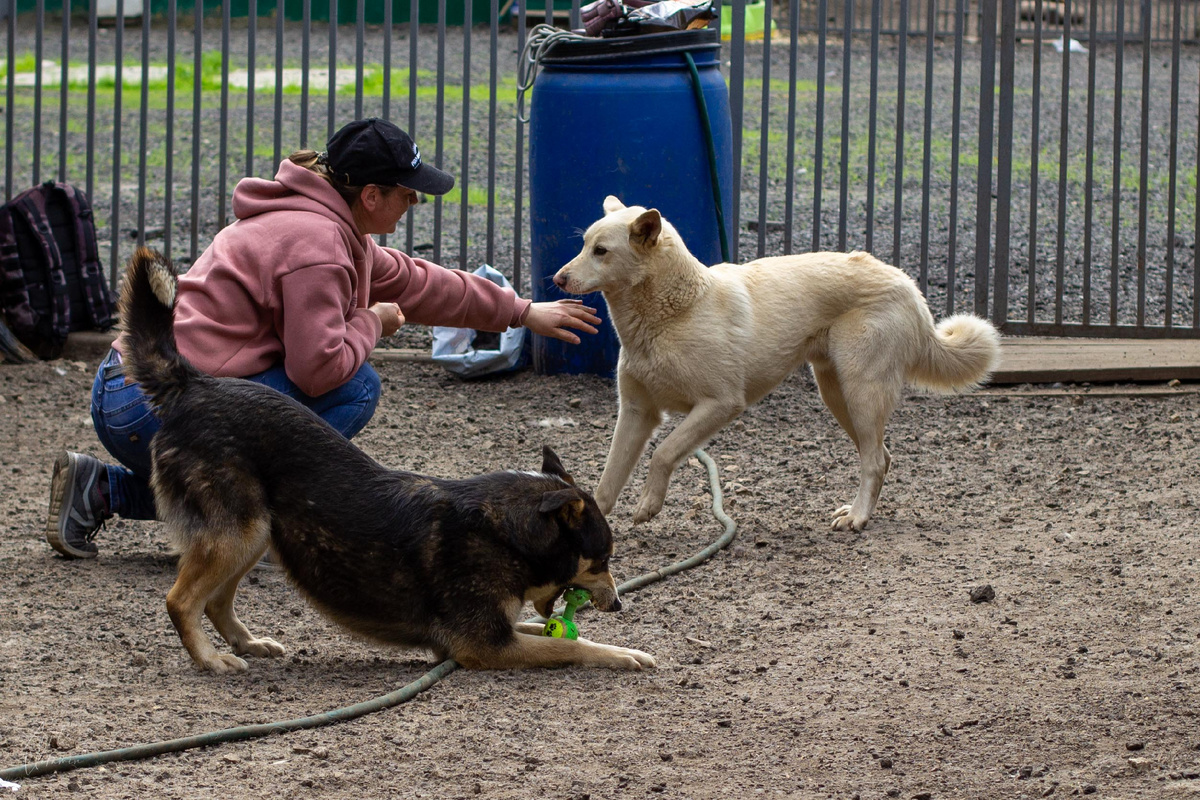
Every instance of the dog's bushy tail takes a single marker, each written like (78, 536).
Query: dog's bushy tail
(961, 353)
(147, 307)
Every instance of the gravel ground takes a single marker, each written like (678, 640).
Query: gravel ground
(798, 663)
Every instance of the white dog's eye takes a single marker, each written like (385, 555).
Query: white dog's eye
(598, 250)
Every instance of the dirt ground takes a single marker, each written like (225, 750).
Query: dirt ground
(798, 663)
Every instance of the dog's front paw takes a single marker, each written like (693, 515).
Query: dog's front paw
(261, 648)
(224, 664)
(844, 519)
(647, 509)
(627, 658)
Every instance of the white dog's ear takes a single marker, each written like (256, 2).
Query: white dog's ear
(645, 230)
(612, 204)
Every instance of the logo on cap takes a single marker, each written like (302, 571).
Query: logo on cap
(416, 162)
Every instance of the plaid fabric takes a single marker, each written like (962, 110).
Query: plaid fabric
(49, 262)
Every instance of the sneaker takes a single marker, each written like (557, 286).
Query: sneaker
(78, 505)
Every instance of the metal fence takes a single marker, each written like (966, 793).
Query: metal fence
(1113, 19)
(1052, 191)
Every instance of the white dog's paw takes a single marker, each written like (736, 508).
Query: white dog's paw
(845, 520)
(627, 658)
(261, 648)
(224, 664)
(647, 509)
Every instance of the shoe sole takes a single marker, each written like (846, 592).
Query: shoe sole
(62, 477)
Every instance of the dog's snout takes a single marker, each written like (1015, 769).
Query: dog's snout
(605, 598)
(560, 280)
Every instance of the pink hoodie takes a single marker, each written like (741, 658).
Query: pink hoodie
(291, 281)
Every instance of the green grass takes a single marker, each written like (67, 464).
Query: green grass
(25, 63)
(210, 81)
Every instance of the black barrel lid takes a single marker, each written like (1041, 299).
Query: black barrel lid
(567, 51)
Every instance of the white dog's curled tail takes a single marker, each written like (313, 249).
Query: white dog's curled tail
(961, 353)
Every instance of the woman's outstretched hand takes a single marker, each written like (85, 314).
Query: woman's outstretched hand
(555, 319)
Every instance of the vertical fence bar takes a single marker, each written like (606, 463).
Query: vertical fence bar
(844, 186)
(63, 89)
(1143, 167)
(169, 161)
(737, 85)
(955, 128)
(223, 167)
(441, 124)
(144, 133)
(493, 70)
(1118, 92)
(10, 95)
(1035, 148)
(40, 31)
(519, 180)
(277, 130)
(386, 110)
(305, 60)
(331, 100)
(764, 130)
(1089, 168)
(790, 168)
(414, 12)
(360, 25)
(251, 80)
(1064, 155)
(927, 146)
(1172, 161)
(465, 162)
(873, 121)
(1008, 45)
(114, 228)
(901, 81)
(197, 85)
(577, 20)
(1196, 228)
(819, 132)
(983, 209)
(91, 95)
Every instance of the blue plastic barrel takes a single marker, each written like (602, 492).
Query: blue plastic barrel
(620, 116)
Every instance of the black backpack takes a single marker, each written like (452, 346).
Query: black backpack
(51, 281)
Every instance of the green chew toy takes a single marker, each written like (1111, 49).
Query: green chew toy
(562, 626)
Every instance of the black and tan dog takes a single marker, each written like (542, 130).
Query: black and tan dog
(394, 556)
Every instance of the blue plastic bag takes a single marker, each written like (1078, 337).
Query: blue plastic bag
(454, 348)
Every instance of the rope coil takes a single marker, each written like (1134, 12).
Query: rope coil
(542, 39)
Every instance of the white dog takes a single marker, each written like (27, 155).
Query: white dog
(708, 342)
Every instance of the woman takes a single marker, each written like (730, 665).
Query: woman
(294, 295)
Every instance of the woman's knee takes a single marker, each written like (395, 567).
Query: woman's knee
(123, 419)
(355, 402)
(370, 388)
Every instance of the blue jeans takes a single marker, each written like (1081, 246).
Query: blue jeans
(125, 424)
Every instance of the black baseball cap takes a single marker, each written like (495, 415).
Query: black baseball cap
(374, 150)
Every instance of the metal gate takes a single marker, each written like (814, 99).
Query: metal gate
(1051, 189)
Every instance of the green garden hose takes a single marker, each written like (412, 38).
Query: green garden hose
(706, 126)
(401, 695)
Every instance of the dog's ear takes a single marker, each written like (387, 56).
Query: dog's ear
(566, 503)
(612, 204)
(645, 230)
(551, 465)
